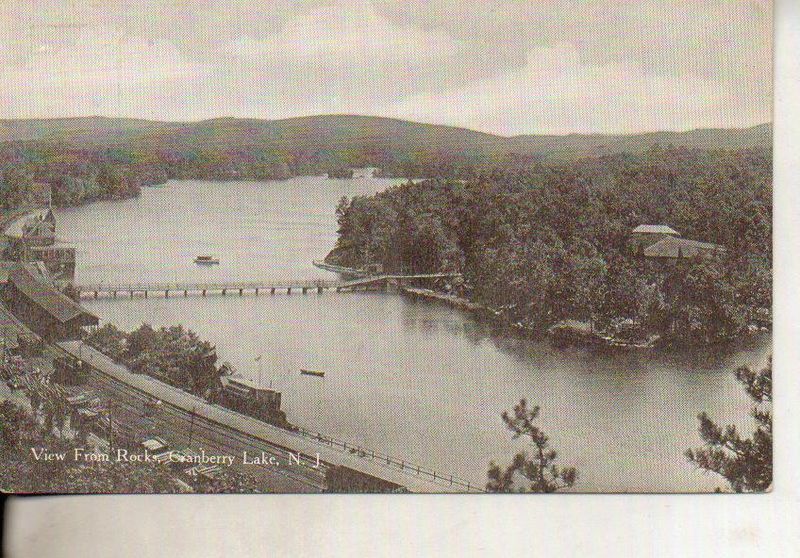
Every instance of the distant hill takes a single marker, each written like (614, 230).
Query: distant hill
(85, 130)
(600, 144)
(354, 139)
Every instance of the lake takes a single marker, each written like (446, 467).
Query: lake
(418, 381)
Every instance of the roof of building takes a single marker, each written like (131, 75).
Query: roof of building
(656, 229)
(671, 247)
(29, 279)
(41, 224)
(247, 382)
(16, 222)
(38, 269)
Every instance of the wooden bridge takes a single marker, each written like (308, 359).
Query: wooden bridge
(145, 290)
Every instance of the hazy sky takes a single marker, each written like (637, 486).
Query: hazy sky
(502, 66)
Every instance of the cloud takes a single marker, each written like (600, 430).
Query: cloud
(98, 73)
(555, 93)
(497, 65)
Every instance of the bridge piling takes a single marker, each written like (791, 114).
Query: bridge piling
(372, 283)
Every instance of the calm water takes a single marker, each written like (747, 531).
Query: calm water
(419, 381)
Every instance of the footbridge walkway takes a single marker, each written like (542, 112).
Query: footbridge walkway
(145, 290)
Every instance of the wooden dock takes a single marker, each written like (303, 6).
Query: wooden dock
(342, 270)
(165, 290)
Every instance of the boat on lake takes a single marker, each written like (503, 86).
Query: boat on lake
(206, 260)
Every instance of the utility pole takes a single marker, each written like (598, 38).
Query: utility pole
(260, 370)
(110, 430)
(5, 344)
(191, 425)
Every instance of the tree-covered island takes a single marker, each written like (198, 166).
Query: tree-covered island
(543, 243)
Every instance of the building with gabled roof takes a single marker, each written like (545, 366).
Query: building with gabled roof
(656, 229)
(645, 235)
(33, 238)
(40, 230)
(671, 248)
(34, 299)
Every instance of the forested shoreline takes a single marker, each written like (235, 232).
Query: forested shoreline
(538, 238)
(547, 242)
(96, 158)
(80, 175)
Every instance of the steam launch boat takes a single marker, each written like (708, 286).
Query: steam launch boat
(206, 260)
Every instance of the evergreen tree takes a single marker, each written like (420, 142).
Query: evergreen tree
(746, 463)
(539, 469)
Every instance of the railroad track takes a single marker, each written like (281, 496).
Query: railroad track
(230, 426)
(218, 439)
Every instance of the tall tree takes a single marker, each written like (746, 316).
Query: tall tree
(539, 469)
(746, 463)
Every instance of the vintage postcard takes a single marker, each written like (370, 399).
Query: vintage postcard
(358, 246)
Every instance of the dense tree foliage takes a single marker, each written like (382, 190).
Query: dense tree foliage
(538, 469)
(746, 463)
(83, 174)
(543, 243)
(174, 354)
(75, 175)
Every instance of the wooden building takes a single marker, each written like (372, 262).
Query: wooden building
(646, 235)
(36, 242)
(671, 249)
(251, 392)
(40, 230)
(58, 258)
(33, 298)
(249, 397)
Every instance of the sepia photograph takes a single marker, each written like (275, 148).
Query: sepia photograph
(351, 246)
